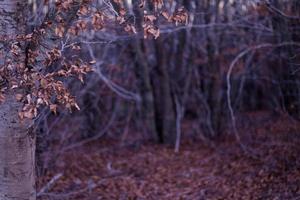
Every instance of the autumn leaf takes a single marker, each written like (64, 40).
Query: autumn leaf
(19, 97)
(53, 108)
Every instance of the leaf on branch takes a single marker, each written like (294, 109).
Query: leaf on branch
(53, 108)
(150, 18)
(142, 4)
(19, 97)
(59, 31)
(158, 4)
(2, 98)
(130, 28)
(83, 10)
(76, 47)
(166, 15)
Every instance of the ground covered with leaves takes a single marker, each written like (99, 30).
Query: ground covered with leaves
(269, 169)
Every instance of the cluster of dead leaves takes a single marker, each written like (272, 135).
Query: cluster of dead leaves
(47, 86)
(36, 84)
(178, 17)
(39, 83)
(150, 19)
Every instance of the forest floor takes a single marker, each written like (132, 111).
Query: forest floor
(270, 169)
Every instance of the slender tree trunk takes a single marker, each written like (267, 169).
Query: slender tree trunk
(213, 86)
(143, 75)
(163, 97)
(146, 91)
(17, 145)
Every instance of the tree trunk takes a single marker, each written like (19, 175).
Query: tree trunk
(17, 145)
(143, 75)
(146, 91)
(213, 85)
(163, 97)
(17, 149)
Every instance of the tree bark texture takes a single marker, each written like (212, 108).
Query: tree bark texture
(17, 145)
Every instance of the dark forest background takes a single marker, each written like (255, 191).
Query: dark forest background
(233, 63)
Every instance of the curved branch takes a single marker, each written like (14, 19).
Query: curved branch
(228, 76)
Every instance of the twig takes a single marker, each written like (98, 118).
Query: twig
(179, 113)
(122, 92)
(278, 11)
(48, 186)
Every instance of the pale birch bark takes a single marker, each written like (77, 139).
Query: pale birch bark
(17, 145)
